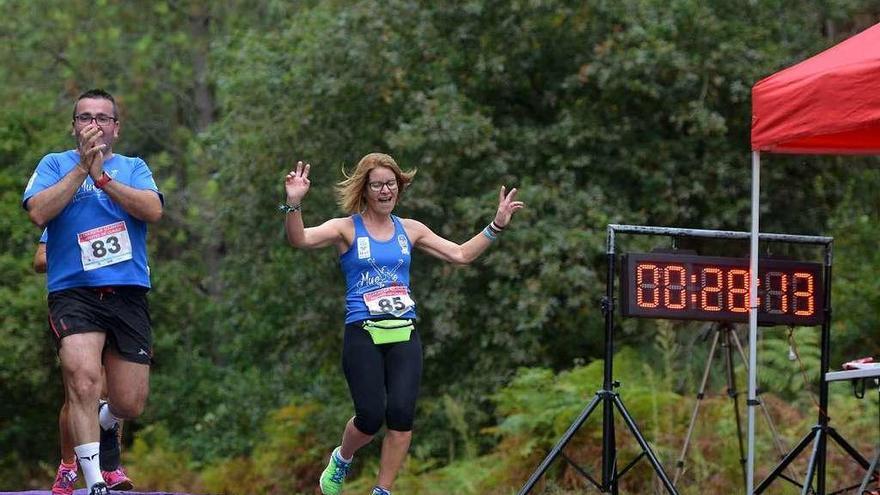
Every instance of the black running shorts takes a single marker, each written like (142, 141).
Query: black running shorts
(121, 312)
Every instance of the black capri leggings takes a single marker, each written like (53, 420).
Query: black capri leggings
(383, 379)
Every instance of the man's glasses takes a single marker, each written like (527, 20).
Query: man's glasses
(101, 119)
(378, 185)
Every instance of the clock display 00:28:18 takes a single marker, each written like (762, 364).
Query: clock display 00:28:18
(683, 286)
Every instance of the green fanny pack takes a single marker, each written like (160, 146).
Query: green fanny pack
(389, 331)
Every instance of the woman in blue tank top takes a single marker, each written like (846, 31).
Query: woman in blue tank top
(382, 352)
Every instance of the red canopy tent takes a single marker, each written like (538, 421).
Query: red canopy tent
(827, 104)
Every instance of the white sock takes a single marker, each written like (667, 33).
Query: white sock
(87, 454)
(106, 418)
(338, 454)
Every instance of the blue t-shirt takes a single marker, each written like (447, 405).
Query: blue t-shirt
(377, 273)
(93, 241)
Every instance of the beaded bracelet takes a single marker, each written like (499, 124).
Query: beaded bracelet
(286, 208)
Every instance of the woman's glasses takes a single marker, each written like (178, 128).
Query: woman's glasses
(378, 185)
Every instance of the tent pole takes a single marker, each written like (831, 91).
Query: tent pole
(753, 321)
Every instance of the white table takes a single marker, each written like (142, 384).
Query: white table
(834, 376)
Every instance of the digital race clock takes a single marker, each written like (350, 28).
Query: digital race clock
(693, 287)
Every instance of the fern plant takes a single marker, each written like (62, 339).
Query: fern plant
(788, 363)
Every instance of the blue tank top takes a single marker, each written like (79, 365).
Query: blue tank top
(377, 275)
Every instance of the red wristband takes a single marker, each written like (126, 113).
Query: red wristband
(103, 180)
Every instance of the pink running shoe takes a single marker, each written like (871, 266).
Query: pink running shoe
(117, 480)
(65, 480)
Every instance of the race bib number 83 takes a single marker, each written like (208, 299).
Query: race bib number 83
(103, 246)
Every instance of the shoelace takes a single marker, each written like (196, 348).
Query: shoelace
(340, 471)
(68, 478)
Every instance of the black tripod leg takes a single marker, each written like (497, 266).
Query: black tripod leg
(634, 429)
(545, 464)
(791, 456)
(609, 447)
(847, 447)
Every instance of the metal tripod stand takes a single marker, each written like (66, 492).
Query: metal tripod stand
(611, 402)
(725, 333)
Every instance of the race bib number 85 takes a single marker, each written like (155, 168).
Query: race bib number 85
(392, 300)
(103, 246)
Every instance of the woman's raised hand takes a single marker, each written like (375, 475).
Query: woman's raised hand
(296, 184)
(506, 206)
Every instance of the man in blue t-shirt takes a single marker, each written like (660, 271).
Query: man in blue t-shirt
(95, 206)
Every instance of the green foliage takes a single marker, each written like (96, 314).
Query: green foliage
(284, 461)
(856, 288)
(789, 363)
(153, 460)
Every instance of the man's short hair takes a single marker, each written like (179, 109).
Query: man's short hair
(99, 94)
